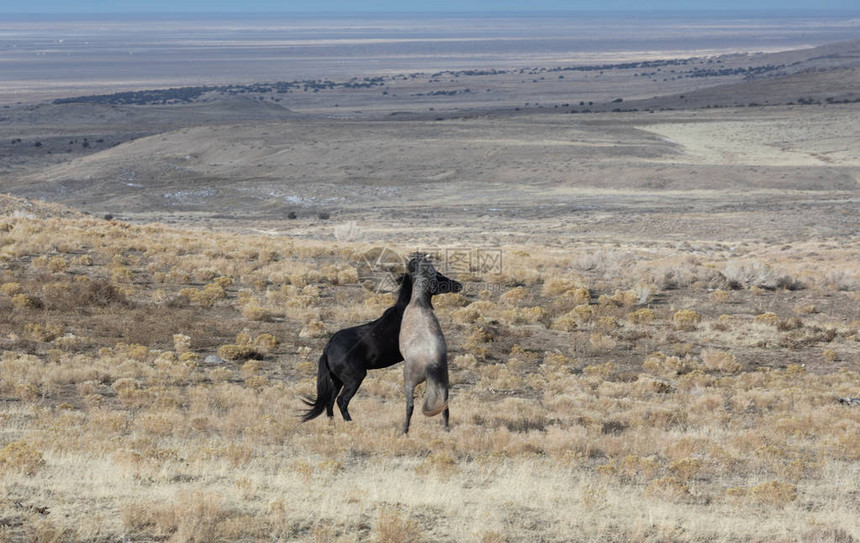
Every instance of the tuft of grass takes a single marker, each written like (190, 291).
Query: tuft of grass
(393, 526)
(21, 457)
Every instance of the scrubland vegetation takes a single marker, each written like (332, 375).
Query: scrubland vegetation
(629, 393)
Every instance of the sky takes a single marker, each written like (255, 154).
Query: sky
(401, 6)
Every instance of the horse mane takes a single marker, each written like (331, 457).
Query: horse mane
(405, 291)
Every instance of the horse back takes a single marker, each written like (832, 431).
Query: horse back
(368, 346)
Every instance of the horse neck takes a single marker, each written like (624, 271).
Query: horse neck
(405, 294)
(421, 293)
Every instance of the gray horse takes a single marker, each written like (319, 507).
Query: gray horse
(423, 346)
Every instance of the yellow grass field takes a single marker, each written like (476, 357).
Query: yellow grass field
(626, 393)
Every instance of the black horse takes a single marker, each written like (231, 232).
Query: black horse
(352, 351)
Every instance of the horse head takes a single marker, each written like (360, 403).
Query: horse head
(421, 265)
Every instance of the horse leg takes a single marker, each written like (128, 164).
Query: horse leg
(409, 389)
(329, 407)
(349, 390)
(446, 412)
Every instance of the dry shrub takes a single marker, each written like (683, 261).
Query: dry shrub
(392, 526)
(639, 468)
(601, 343)
(121, 274)
(642, 316)
(775, 493)
(256, 382)
(266, 343)
(606, 324)
(565, 323)
(695, 379)
(10, 289)
(468, 314)
(736, 495)
(719, 297)
(126, 389)
(594, 498)
(450, 299)
(822, 534)
(514, 296)
(528, 315)
(805, 309)
(39, 262)
(220, 375)
(665, 418)
(602, 371)
(251, 368)
(324, 533)
(557, 286)
(625, 298)
(181, 343)
(579, 295)
(668, 366)
(22, 301)
(347, 276)
(720, 361)
(20, 457)
(668, 489)
(254, 311)
(723, 323)
(45, 531)
(606, 301)
(556, 360)
(135, 351)
(498, 377)
(786, 325)
(96, 292)
(686, 319)
(381, 301)
(57, 264)
(480, 335)
(579, 315)
(644, 293)
(27, 392)
(686, 468)
(233, 352)
(492, 536)
(755, 274)
(195, 516)
(38, 332)
(771, 319)
(205, 297)
(441, 464)
(224, 281)
(313, 329)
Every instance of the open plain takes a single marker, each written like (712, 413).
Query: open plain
(659, 338)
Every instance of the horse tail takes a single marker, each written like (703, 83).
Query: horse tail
(436, 393)
(326, 391)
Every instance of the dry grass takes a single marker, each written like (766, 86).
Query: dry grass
(584, 400)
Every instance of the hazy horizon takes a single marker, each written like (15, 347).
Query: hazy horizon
(483, 7)
(53, 55)
(719, 13)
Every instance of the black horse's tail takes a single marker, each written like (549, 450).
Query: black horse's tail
(326, 391)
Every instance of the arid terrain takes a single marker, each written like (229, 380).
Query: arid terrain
(659, 339)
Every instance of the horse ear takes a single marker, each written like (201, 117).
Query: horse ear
(428, 257)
